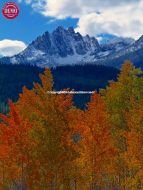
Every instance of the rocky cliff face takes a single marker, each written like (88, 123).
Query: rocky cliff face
(67, 47)
(59, 48)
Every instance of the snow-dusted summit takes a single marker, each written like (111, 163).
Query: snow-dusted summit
(61, 47)
(67, 47)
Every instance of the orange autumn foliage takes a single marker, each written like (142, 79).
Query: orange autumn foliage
(47, 143)
(15, 146)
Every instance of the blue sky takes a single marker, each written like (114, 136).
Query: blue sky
(29, 24)
(120, 18)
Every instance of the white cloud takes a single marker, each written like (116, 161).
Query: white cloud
(123, 17)
(11, 47)
(120, 22)
(123, 21)
(68, 8)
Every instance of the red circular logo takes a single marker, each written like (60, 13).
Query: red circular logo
(10, 10)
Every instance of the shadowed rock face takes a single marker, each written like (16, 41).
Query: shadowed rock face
(65, 42)
(62, 43)
(67, 47)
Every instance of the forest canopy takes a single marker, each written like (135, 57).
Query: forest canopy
(47, 143)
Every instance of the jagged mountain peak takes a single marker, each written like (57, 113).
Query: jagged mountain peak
(62, 46)
(140, 40)
(65, 35)
(71, 30)
(68, 47)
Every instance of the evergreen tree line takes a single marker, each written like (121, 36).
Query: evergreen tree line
(88, 77)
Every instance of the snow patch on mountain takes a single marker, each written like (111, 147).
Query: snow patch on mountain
(67, 47)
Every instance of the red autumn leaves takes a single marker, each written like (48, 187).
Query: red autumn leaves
(48, 143)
